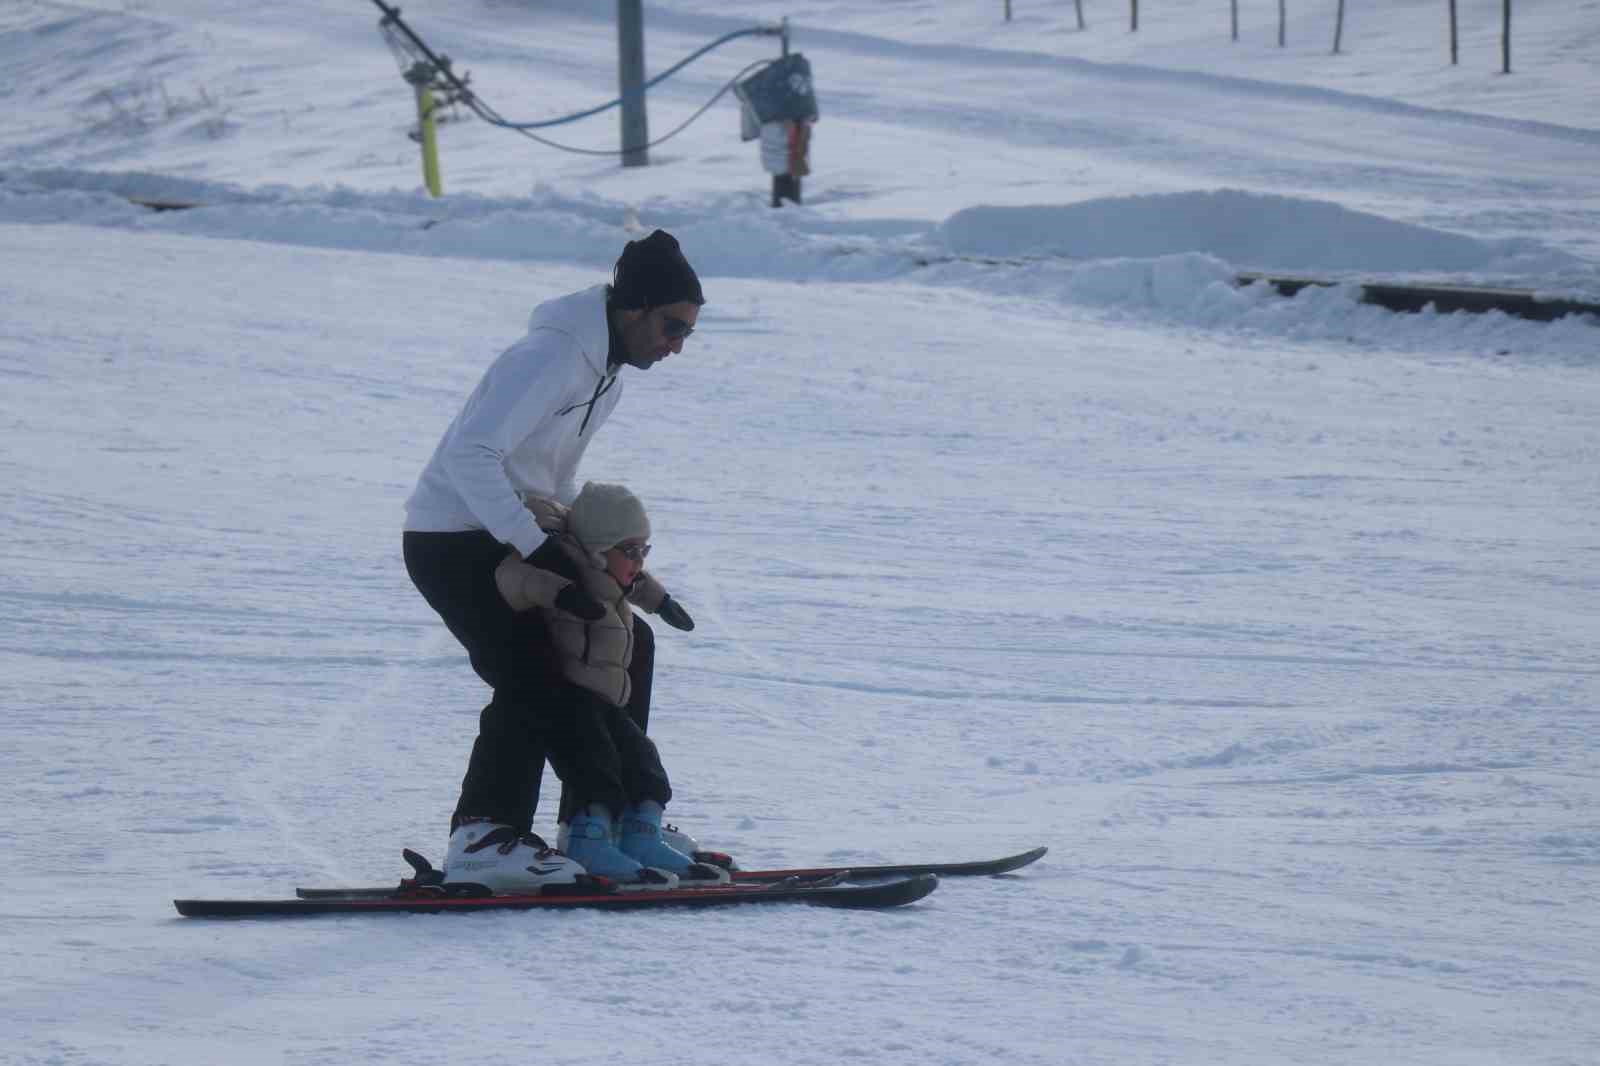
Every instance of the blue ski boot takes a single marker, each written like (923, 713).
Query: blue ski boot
(641, 840)
(589, 843)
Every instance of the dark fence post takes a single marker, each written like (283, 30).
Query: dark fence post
(1505, 40)
(1455, 47)
(1338, 28)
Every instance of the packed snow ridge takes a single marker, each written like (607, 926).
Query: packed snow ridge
(1176, 256)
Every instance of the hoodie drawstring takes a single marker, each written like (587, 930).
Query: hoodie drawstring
(601, 387)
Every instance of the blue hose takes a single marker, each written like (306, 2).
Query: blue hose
(663, 76)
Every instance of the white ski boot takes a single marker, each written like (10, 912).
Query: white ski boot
(678, 840)
(505, 861)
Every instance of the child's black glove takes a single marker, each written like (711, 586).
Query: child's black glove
(574, 600)
(674, 615)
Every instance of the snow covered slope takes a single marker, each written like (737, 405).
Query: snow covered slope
(1006, 519)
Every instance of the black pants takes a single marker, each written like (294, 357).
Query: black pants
(600, 752)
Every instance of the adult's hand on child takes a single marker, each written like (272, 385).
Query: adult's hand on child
(550, 514)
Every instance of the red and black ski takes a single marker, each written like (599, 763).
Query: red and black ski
(980, 868)
(832, 886)
(825, 892)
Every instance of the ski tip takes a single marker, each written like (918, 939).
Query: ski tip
(923, 886)
(919, 887)
(877, 895)
(1019, 860)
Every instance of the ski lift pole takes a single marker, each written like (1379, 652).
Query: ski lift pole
(421, 78)
(787, 186)
(424, 75)
(630, 79)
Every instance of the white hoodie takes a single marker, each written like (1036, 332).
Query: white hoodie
(519, 432)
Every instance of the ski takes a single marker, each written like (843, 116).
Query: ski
(825, 892)
(980, 868)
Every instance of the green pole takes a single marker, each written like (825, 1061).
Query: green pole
(421, 77)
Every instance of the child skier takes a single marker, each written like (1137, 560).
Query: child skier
(615, 787)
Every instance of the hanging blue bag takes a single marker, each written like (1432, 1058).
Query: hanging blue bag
(781, 91)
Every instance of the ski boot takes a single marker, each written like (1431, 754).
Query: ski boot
(589, 842)
(504, 860)
(640, 838)
(678, 840)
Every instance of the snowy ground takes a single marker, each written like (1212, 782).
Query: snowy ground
(1272, 618)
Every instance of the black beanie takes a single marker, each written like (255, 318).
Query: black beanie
(653, 272)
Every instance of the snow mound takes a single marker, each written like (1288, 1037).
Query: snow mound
(1249, 230)
(1025, 253)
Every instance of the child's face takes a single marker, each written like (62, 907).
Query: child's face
(624, 561)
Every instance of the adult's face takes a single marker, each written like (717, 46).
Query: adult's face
(653, 334)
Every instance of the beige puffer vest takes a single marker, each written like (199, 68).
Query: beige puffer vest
(594, 655)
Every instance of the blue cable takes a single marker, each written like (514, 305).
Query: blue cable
(652, 83)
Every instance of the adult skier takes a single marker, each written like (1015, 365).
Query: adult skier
(506, 466)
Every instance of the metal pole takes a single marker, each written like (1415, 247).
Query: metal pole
(630, 78)
(1505, 41)
(421, 78)
(784, 186)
